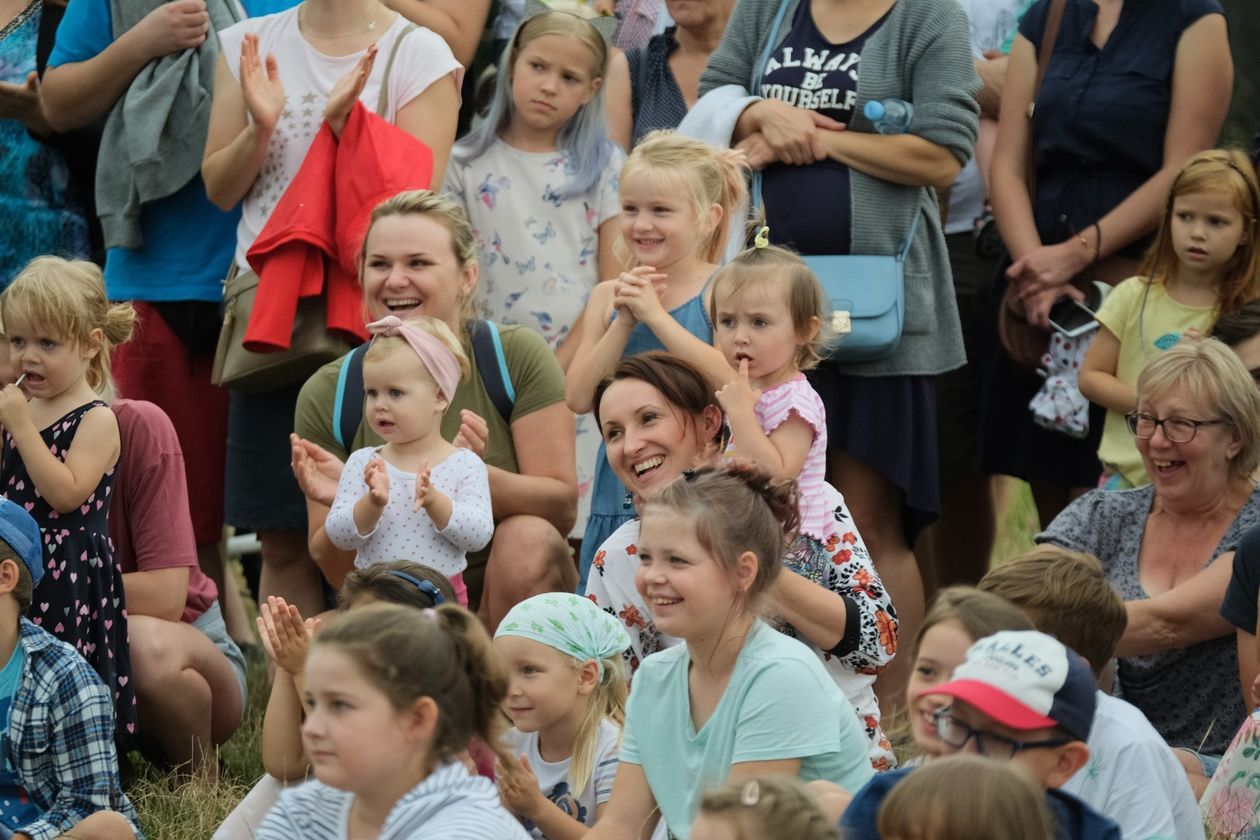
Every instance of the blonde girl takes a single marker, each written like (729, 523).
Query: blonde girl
(61, 444)
(567, 703)
(956, 619)
(737, 700)
(418, 497)
(966, 797)
(768, 313)
(676, 196)
(772, 806)
(1204, 263)
(392, 697)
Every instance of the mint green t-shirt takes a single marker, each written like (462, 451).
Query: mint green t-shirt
(779, 704)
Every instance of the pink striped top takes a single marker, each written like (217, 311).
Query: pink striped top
(797, 396)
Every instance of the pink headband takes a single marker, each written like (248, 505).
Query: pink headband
(437, 357)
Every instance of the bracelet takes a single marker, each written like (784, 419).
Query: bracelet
(1098, 248)
(1085, 243)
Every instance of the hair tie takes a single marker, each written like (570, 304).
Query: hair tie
(762, 239)
(436, 356)
(751, 794)
(425, 586)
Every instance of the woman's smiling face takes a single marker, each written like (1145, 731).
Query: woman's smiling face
(649, 440)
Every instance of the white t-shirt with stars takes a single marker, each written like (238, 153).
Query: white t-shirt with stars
(406, 534)
(309, 77)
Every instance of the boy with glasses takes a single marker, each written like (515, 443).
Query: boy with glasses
(1019, 696)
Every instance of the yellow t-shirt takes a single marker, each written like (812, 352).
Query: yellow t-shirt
(1144, 332)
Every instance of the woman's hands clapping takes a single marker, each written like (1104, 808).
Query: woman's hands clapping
(347, 91)
(261, 85)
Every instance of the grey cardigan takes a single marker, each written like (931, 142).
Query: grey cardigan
(922, 54)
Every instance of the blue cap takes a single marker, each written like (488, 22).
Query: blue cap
(874, 110)
(21, 532)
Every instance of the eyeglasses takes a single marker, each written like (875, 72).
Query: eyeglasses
(956, 733)
(1176, 429)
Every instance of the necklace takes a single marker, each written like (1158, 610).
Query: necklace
(306, 27)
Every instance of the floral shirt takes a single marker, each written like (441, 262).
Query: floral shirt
(870, 638)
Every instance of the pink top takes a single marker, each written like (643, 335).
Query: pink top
(797, 396)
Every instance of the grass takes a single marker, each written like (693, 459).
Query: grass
(192, 810)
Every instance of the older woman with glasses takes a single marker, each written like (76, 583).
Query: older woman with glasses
(1167, 548)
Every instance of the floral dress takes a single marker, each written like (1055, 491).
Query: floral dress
(853, 664)
(80, 598)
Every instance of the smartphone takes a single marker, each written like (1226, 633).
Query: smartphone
(1072, 318)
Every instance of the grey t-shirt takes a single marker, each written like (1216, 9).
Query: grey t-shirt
(1184, 692)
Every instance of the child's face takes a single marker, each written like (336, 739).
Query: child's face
(1206, 230)
(51, 363)
(688, 592)
(942, 649)
(403, 402)
(544, 686)
(658, 219)
(355, 738)
(1040, 760)
(552, 78)
(756, 326)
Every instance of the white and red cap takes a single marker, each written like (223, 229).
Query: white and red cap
(1026, 680)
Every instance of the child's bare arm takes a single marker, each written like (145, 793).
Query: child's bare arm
(601, 346)
(1098, 380)
(64, 484)
(285, 637)
(782, 453)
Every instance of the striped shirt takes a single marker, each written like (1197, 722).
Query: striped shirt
(777, 404)
(448, 805)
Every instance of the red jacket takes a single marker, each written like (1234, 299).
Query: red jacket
(310, 244)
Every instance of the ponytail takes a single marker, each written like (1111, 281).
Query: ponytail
(607, 702)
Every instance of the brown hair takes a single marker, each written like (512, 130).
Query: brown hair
(1066, 594)
(707, 174)
(978, 613)
(736, 507)
(67, 298)
(443, 654)
(966, 797)
(681, 384)
(1212, 375)
(1235, 327)
(1215, 170)
(443, 210)
(383, 582)
(769, 806)
(780, 268)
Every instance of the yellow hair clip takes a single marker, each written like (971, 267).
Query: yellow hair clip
(762, 240)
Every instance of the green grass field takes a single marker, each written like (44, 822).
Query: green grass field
(191, 811)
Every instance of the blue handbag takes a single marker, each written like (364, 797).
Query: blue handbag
(867, 293)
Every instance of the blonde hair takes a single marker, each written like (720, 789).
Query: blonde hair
(966, 797)
(383, 346)
(1067, 596)
(443, 654)
(1211, 375)
(780, 268)
(1215, 170)
(706, 174)
(606, 702)
(443, 210)
(769, 807)
(67, 298)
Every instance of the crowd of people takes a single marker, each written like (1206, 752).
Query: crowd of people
(617, 399)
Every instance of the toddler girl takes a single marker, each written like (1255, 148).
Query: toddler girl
(61, 444)
(773, 806)
(768, 312)
(392, 697)
(566, 700)
(1204, 264)
(676, 195)
(737, 699)
(417, 497)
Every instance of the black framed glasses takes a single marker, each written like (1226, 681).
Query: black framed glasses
(956, 733)
(1176, 429)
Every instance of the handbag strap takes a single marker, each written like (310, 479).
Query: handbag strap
(382, 105)
(1049, 35)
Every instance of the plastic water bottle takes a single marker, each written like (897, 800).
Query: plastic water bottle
(891, 116)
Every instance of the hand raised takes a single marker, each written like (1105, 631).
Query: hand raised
(286, 637)
(738, 395)
(473, 433)
(260, 85)
(638, 292)
(424, 486)
(376, 477)
(317, 470)
(347, 90)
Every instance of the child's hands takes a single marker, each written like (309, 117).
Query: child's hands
(739, 396)
(637, 293)
(285, 636)
(424, 486)
(473, 433)
(376, 477)
(518, 786)
(14, 411)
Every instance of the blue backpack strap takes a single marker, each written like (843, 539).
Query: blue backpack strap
(348, 405)
(488, 352)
